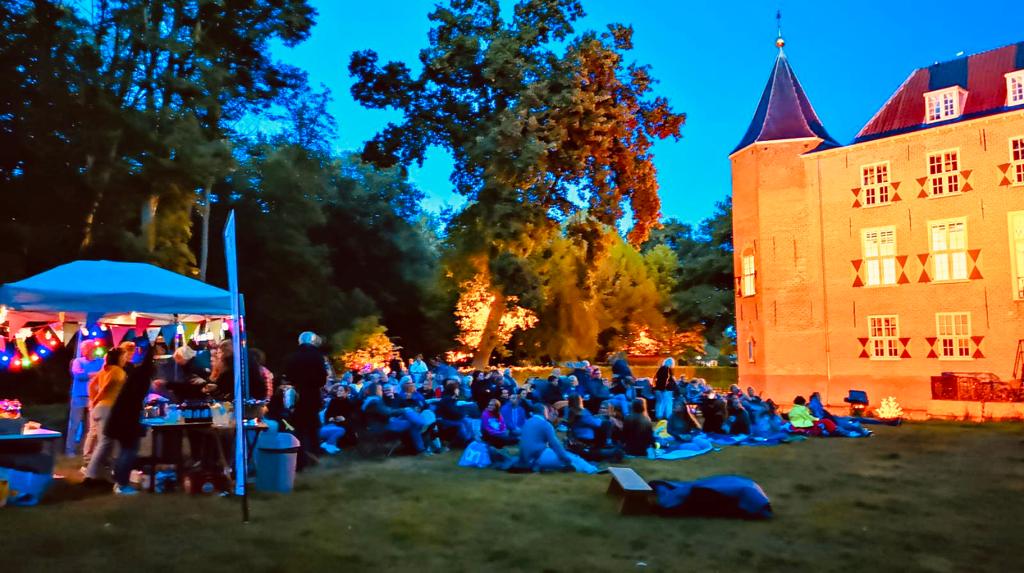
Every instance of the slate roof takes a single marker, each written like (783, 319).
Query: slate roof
(983, 75)
(784, 111)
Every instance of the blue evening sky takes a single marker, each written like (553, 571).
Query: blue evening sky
(712, 60)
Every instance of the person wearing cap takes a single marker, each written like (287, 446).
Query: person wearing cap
(306, 374)
(82, 369)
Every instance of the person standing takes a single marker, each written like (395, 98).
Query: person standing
(123, 424)
(664, 389)
(108, 384)
(82, 369)
(307, 373)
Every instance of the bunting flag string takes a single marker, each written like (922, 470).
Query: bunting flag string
(190, 330)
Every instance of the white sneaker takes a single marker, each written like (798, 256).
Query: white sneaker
(126, 490)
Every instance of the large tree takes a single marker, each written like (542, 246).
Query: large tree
(541, 124)
(122, 112)
(702, 289)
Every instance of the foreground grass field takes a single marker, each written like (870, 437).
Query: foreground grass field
(922, 497)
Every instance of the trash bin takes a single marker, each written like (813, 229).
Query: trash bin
(276, 455)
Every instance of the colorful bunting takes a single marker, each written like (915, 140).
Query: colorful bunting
(190, 330)
(142, 325)
(118, 333)
(169, 332)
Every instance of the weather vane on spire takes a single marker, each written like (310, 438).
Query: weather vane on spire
(779, 42)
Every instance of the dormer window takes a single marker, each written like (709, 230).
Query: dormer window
(1015, 88)
(944, 104)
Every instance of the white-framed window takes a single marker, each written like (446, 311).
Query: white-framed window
(953, 332)
(749, 273)
(874, 180)
(1017, 253)
(879, 252)
(884, 337)
(947, 240)
(944, 172)
(1017, 161)
(944, 104)
(1015, 88)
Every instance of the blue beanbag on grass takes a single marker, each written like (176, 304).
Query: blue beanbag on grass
(716, 496)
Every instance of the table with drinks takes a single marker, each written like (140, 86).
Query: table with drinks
(168, 424)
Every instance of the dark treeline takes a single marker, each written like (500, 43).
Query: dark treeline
(130, 128)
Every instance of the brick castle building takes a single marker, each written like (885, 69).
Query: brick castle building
(880, 264)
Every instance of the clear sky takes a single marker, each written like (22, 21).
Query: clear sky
(712, 60)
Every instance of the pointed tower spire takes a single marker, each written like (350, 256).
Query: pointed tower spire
(779, 42)
(784, 111)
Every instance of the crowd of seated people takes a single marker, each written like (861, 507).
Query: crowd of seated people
(436, 407)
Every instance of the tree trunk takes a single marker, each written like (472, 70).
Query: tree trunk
(489, 337)
(98, 182)
(148, 226)
(205, 247)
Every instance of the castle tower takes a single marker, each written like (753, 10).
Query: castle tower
(777, 234)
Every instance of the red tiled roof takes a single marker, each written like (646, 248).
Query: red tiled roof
(982, 75)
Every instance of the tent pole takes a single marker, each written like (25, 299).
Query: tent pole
(242, 460)
(231, 262)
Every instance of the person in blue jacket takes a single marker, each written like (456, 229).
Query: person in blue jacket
(514, 413)
(539, 447)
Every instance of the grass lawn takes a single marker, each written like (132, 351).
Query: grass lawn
(922, 497)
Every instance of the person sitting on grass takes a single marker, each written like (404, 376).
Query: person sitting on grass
(492, 426)
(682, 425)
(615, 414)
(585, 427)
(451, 418)
(804, 422)
(637, 430)
(382, 419)
(337, 419)
(514, 413)
(715, 412)
(539, 447)
(845, 426)
(739, 417)
(427, 390)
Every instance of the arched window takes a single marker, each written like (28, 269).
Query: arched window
(750, 350)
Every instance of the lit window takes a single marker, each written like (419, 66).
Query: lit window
(748, 275)
(1015, 88)
(944, 104)
(1017, 160)
(953, 330)
(875, 184)
(949, 250)
(944, 173)
(879, 252)
(883, 337)
(1017, 252)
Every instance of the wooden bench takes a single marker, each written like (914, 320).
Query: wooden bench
(632, 488)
